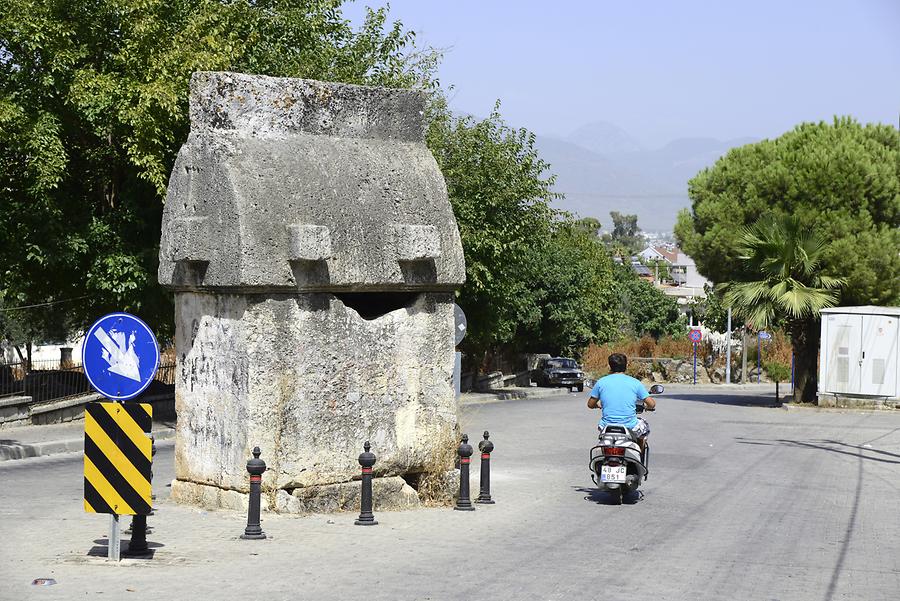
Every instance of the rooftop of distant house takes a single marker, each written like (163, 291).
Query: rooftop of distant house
(669, 253)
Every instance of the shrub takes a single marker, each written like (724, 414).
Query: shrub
(596, 355)
(646, 347)
(778, 372)
(637, 369)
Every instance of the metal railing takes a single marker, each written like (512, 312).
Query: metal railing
(52, 380)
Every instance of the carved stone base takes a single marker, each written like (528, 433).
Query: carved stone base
(391, 493)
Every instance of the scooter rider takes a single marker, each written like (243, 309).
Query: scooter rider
(617, 394)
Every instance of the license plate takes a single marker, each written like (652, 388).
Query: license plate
(610, 473)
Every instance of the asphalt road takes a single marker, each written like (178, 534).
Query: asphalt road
(744, 501)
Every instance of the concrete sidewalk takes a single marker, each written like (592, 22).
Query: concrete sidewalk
(24, 442)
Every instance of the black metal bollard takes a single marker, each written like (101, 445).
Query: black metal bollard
(256, 467)
(139, 528)
(152, 455)
(463, 503)
(366, 460)
(485, 446)
(138, 543)
(152, 495)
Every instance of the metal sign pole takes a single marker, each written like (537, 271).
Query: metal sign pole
(792, 374)
(457, 374)
(114, 538)
(758, 357)
(695, 363)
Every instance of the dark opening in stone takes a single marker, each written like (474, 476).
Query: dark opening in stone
(412, 478)
(372, 305)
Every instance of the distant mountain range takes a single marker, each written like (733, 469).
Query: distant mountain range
(601, 168)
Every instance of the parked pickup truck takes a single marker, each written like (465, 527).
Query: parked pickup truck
(558, 371)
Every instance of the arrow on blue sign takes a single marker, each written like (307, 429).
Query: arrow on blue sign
(120, 356)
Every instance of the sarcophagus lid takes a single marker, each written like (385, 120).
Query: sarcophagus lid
(293, 184)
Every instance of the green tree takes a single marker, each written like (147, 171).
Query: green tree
(647, 310)
(501, 199)
(713, 311)
(574, 278)
(93, 108)
(625, 238)
(589, 225)
(842, 179)
(784, 256)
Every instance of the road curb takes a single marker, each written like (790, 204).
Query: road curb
(827, 409)
(470, 398)
(12, 450)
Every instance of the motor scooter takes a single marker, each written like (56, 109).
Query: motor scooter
(618, 465)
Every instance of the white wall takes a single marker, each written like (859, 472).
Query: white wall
(42, 352)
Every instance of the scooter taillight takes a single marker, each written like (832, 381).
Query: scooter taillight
(613, 450)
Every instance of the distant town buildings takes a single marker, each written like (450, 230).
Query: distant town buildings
(674, 272)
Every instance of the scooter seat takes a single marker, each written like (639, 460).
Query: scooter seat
(615, 429)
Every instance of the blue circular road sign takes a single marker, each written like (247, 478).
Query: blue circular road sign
(695, 335)
(120, 356)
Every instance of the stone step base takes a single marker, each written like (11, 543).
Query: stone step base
(390, 493)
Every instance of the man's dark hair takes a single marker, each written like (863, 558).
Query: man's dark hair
(617, 363)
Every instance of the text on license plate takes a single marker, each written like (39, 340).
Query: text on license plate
(610, 473)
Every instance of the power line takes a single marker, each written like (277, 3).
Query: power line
(67, 300)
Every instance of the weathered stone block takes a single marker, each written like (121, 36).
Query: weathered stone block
(266, 155)
(211, 497)
(387, 494)
(189, 239)
(416, 242)
(313, 253)
(309, 243)
(306, 379)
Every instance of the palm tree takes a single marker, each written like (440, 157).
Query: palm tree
(785, 256)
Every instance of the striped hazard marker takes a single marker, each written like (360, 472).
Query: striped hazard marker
(117, 458)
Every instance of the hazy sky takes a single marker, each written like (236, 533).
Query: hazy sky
(664, 69)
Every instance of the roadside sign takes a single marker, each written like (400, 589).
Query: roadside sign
(460, 324)
(765, 335)
(695, 335)
(117, 458)
(120, 356)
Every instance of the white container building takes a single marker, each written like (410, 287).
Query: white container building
(859, 361)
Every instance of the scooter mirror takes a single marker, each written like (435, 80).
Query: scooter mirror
(657, 389)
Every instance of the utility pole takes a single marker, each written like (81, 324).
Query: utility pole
(728, 350)
(744, 356)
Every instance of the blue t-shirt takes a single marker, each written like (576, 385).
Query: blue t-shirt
(618, 394)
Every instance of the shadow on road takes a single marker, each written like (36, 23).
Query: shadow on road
(101, 549)
(842, 448)
(833, 446)
(734, 399)
(595, 495)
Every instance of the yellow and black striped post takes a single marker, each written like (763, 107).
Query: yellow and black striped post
(117, 458)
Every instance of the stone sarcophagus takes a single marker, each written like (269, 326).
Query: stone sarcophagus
(313, 254)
